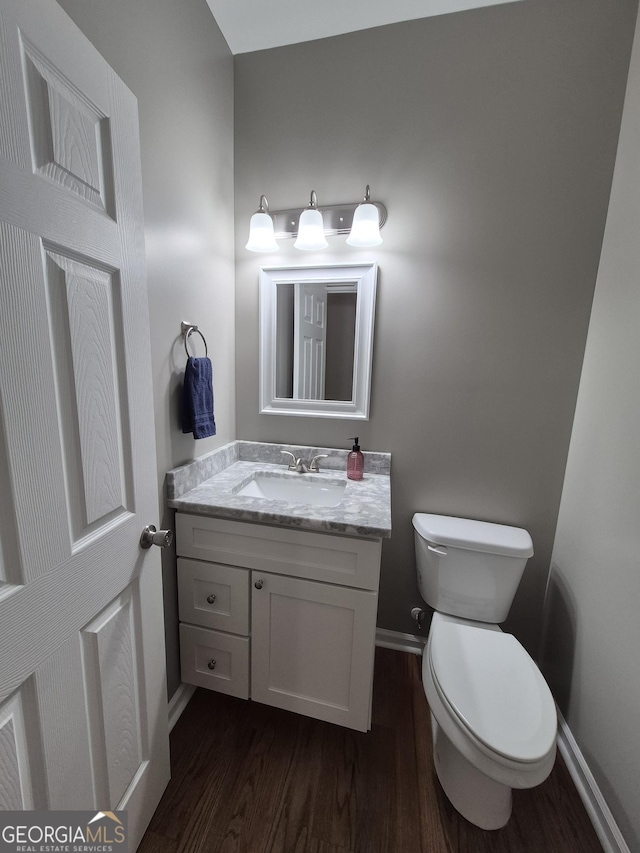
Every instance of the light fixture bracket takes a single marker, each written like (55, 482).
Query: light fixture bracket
(337, 219)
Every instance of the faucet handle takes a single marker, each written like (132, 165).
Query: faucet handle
(293, 462)
(314, 464)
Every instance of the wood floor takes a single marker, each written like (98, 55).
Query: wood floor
(246, 777)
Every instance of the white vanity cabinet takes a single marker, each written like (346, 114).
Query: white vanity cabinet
(283, 616)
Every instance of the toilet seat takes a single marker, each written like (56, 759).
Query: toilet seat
(493, 689)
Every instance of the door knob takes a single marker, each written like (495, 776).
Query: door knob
(151, 536)
(259, 584)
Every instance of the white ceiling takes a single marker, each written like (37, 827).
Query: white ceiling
(249, 25)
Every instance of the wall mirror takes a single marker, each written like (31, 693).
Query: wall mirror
(316, 340)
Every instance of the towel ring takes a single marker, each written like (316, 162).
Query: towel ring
(186, 340)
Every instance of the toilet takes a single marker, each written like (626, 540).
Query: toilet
(493, 718)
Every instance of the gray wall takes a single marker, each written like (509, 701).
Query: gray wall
(174, 59)
(592, 637)
(490, 135)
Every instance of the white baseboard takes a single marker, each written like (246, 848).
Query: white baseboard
(400, 642)
(603, 821)
(178, 703)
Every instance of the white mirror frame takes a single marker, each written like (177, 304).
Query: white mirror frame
(365, 276)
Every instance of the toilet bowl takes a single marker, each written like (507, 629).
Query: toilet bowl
(493, 716)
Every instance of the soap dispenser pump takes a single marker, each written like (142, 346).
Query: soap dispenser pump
(355, 462)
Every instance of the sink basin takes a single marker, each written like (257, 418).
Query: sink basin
(295, 488)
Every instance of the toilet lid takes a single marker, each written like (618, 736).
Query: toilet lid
(495, 689)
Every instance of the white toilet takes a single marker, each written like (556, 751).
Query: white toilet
(493, 717)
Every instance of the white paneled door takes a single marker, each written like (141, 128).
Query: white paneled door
(310, 341)
(83, 712)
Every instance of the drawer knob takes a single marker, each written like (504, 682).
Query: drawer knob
(211, 598)
(259, 584)
(211, 664)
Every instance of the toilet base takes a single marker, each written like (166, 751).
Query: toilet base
(481, 800)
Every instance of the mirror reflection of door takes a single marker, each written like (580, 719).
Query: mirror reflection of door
(316, 326)
(309, 341)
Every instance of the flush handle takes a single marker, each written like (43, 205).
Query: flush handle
(437, 549)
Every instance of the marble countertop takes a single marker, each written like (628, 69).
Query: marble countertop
(365, 509)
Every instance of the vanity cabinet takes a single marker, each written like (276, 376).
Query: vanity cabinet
(283, 616)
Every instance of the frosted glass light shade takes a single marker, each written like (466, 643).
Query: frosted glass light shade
(365, 230)
(261, 235)
(310, 231)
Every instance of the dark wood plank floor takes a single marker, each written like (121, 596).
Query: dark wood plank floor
(246, 777)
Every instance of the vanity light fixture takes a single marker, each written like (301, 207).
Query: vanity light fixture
(365, 229)
(261, 235)
(311, 228)
(362, 221)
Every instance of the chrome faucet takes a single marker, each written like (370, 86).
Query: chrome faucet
(296, 463)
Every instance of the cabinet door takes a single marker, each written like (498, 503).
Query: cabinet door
(312, 648)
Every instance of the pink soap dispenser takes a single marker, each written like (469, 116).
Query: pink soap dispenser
(355, 462)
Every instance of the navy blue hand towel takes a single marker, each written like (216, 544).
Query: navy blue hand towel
(197, 398)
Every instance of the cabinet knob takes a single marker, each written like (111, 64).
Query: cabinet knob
(259, 584)
(212, 664)
(211, 598)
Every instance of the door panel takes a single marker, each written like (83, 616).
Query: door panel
(310, 336)
(69, 134)
(16, 791)
(67, 773)
(27, 392)
(85, 320)
(118, 741)
(83, 711)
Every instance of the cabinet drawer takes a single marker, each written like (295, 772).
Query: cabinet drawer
(343, 560)
(214, 596)
(214, 660)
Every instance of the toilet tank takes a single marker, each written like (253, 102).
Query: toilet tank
(469, 568)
